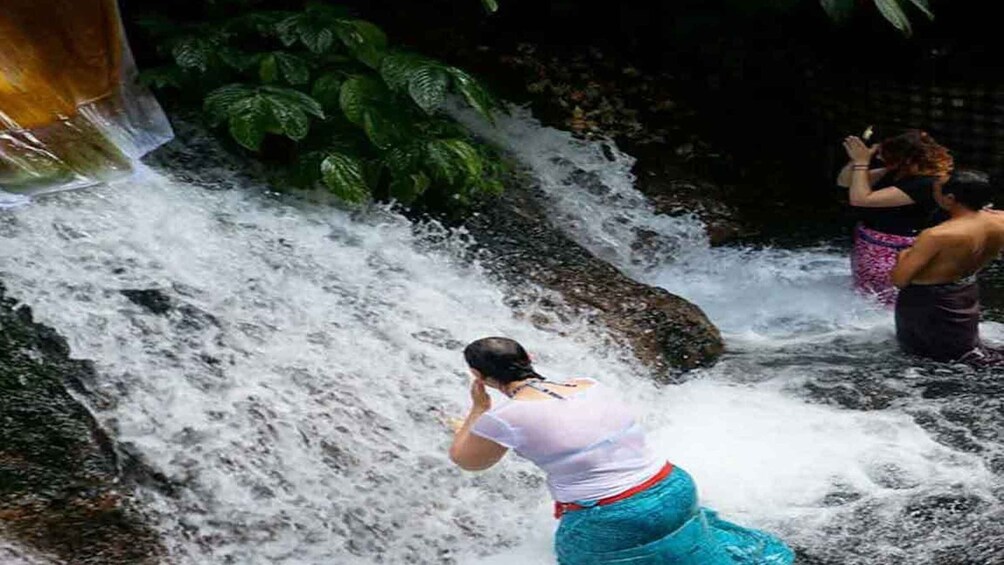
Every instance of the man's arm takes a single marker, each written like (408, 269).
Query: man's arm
(913, 260)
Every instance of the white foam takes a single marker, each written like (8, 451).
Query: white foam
(301, 418)
(15, 554)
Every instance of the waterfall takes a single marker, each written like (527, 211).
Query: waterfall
(293, 390)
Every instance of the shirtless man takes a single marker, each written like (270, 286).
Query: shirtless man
(938, 309)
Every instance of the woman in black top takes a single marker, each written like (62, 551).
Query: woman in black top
(895, 202)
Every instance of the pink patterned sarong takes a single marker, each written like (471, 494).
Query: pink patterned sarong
(872, 260)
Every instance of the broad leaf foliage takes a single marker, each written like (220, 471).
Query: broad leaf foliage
(360, 118)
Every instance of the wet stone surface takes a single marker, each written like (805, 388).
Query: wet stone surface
(61, 489)
(518, 243)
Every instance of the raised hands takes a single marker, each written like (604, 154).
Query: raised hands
(857, 151)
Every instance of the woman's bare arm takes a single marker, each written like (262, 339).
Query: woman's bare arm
(844, 178)
(471, 452)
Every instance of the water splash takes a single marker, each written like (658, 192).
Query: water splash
(752, 294)
(589, 188)
(294, 388)
(797, 332)
(11, 554)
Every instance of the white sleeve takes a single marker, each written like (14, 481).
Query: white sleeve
(494, 428)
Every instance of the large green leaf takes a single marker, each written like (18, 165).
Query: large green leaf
(475, 95)
(397, 68)
(893, 12)
(453, 161)
(365, 41)
(217, 103)
(493, 171)
(358, 93)
(293, 68)
(381, 130)
(366, 33)
(427, 87)
(250, 119)
(237, 59)
(293, 122)
(318, 38)
(253, 112)
(421, 182)
(343, 175)
(441, 128)
(494, 186)
(440, 162)
(408, 188)
(327, 90)
(193, 53)
(490, 5)
(277, 64)
(316, 27)
(923, 6)
(403, 159)
(467, 157)
(288, 30)
(295, 97)
(268, 69)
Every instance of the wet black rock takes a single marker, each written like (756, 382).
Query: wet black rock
(196, 156)
(153, 300)
(61, 487)
(674, 191)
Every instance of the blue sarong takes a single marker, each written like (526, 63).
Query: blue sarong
(662, 525)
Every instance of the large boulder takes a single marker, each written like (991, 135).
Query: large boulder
(61, 489)
(519, 244)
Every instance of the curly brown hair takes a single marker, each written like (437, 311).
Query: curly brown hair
(916, 153)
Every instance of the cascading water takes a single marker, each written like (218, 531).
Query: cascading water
(590, 188)
(796, 331)
(292, 391)
(15, 555)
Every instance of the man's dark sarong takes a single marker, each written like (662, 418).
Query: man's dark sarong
(939, 321)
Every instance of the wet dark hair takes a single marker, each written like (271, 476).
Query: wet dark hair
(915, 152)
(972, 189)
(499, 358)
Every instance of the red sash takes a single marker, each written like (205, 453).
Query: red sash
(561, 507)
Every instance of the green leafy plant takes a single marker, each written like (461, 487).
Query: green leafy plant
(326, 96)
(894, 11)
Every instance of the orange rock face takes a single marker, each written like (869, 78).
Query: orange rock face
(56, 55)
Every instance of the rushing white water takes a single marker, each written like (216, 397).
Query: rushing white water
(751, 294)
(760, 453)
(11, 554)
(294, 394)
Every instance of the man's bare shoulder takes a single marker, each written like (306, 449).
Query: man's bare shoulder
(953, 233)
(995, 216)
(944, 231)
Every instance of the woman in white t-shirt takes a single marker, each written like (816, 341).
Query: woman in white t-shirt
(617, 501)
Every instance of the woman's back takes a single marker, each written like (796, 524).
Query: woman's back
(617, 502)
(587, 441)
(909, 219)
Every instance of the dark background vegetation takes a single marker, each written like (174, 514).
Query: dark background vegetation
(752, 71)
